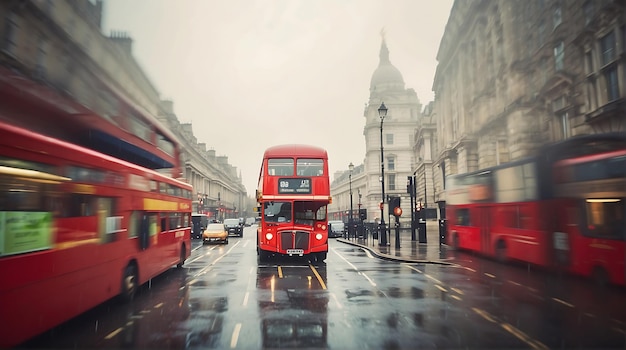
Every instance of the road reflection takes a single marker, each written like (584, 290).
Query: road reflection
(293, 304)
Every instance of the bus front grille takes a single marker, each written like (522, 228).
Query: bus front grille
(294, 239)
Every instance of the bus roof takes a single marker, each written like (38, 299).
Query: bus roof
(295, 150)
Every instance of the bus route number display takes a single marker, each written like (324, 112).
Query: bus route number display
(294, 186)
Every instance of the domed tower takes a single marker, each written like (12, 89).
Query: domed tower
(386, 76)
(404, 109)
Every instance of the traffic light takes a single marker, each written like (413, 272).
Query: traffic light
(409, 184)
(363, 214)
(394, 202)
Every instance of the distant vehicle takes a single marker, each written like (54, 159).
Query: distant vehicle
(336, 228)
(234, 227)
(250, 221)
(199, 223)
(215, 232)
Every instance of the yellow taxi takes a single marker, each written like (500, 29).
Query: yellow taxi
(215, 232)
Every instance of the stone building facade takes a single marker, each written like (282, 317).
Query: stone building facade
(404, 112)
(59, 46)
(514, 75)
(511, 77)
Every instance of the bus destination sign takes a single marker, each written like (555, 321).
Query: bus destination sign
(294, 186)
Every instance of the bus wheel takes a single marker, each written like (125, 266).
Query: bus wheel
(600, 277)
(501, 251)
(129, 283)
(182, 257)
(263, 256)
(320, 257)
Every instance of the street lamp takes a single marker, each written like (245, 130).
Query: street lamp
(382, 113)
(350, 167)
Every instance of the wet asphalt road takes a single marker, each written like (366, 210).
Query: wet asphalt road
(223, 299)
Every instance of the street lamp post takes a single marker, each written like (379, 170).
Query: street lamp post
(350, 230)
(360, 230)
(382, 113)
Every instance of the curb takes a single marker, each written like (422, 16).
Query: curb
(395, 258)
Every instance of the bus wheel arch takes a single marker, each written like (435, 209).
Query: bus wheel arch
(600, 276)
(500, 250)
(130, 282)
(183, 251)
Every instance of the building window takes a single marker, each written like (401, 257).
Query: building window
(391, 182)
(588, 62)
(607, 45)
(564, 125)
(559, 55)
(612, 86)
(588, 11)
(556, 17)
(389, 139)
(391, 163)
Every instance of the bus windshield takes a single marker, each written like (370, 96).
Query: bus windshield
(277, 212)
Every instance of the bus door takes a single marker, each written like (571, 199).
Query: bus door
(485, 230)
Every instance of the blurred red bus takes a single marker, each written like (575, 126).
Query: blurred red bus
(293, 195)
(563, 208)
(77, 228)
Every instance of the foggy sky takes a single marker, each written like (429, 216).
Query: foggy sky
(249, 74)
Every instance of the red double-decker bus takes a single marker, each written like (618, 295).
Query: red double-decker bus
(77, 228)
(563, 208)
(293, 195)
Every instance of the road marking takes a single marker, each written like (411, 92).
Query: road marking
(456, 297)
(319, 278)
(563, 302)
(245, 299)
(413, 268)
(280, 272)
(470, 269)
(158, 306)
(433, 278)
(336, 301)
(458, 291)
(489, 275)
(535, 344)
(113, 334)
(235, 337)
(355, 268)
(441, 288)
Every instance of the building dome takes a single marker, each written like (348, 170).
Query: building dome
(386, 75)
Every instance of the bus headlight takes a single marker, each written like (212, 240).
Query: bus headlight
(319, 236)
(269, 236)
(323, 227)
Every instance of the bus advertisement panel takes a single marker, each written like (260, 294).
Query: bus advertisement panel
(77, 228)
(293, 195)
(563, 208)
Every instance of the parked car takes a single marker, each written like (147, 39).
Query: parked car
(215, 232)
(336, 228)
(234, 227)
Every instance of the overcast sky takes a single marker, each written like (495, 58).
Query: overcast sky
(249, 74)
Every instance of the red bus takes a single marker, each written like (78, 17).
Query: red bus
(293, 195)
(77, 228)
(563, 208)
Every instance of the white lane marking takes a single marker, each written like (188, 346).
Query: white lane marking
(355, 268)
(336, 301)
(245, 299)
(235, 337)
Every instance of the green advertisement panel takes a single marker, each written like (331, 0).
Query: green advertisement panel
(24, 231)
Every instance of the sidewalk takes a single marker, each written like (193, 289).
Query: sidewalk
(410, 251)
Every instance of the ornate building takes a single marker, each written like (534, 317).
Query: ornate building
(404, 112)
(513, 75)
(58, 51)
